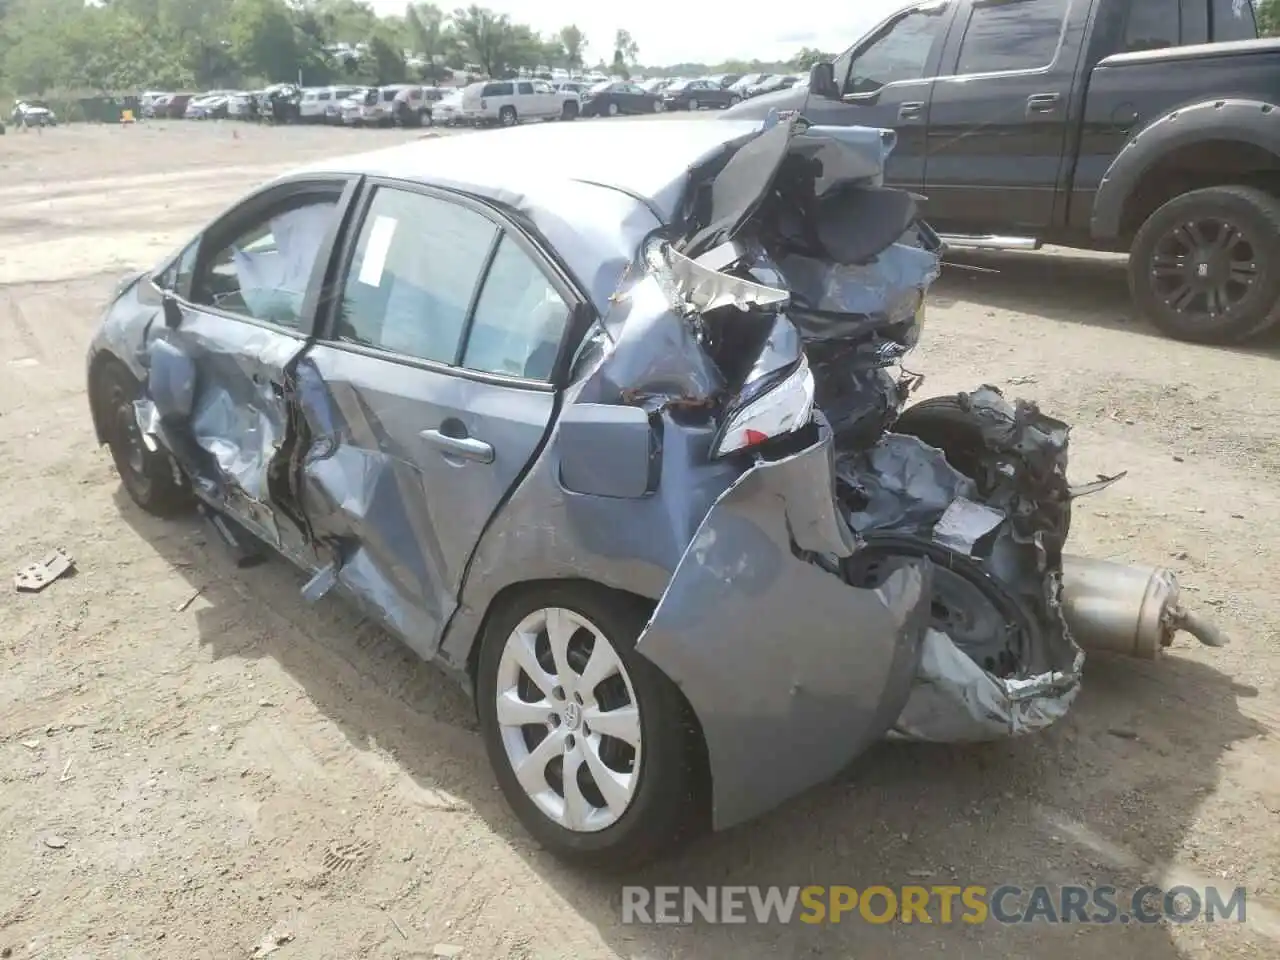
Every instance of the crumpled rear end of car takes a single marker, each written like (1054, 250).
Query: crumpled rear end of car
(875, 568)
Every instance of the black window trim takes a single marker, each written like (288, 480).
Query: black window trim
(230, 222)
(343, 256)
(965, 20)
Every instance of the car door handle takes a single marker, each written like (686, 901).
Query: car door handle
(468, 448)
(910, 111)
(1042, 103)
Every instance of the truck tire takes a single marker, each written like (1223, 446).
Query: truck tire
(1205, 267)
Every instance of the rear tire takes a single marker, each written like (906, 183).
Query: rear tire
(148, 476)
(569, 111)
(651, 812)
(693, 104)
(1221, 239)
(507, 117)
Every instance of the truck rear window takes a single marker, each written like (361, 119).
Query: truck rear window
(1006, 35)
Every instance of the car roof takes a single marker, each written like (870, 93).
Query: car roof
(594, 190)
(647, 160)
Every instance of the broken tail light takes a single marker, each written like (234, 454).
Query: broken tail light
(782, 408)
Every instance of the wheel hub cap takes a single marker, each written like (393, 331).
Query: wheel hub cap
(572, 717)
(1204, 268)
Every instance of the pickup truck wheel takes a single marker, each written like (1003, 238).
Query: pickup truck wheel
(507, 116)
(589, 741)
(1205, 267)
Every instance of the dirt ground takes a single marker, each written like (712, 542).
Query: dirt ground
(182, 778)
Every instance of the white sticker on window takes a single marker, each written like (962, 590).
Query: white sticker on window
(375, 250)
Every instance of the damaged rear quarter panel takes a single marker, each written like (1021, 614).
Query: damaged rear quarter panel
(787, 667)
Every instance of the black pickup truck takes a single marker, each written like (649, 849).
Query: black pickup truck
(1145, 126)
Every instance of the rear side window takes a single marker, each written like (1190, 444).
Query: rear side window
(1152, 24)
(413, 275)
(1233, 20)
(1007, 35)
(520, 319)
(496, 90)
(525, 88)
(325, 96)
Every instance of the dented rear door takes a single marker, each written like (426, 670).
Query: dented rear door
(428, 392)
(220, 359)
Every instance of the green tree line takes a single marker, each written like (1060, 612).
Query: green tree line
(1268, 12)
(123, 46)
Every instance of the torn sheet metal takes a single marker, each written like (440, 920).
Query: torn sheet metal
(953, 700)
(900, 484)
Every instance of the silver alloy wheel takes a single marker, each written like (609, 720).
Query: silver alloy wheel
(658, 106)
(569, 719)
(613, 109)
(693, 104)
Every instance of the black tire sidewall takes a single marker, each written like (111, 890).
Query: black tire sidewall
(155, 489)
(507, 116)
(1253, 210)
(662, 810)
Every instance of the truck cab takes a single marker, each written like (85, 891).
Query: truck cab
(1073, 122)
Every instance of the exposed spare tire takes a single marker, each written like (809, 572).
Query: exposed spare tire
(969, 605)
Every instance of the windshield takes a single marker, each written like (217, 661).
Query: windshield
(678, 85)
(602, 86)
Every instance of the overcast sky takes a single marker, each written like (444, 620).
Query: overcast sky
(706, 31)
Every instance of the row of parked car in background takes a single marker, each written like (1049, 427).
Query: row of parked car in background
(502, 102)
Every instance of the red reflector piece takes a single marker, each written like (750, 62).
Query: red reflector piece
(755, 437)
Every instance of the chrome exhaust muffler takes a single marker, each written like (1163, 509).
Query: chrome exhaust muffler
(1134, 611)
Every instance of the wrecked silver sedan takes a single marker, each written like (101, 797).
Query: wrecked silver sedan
(614, 435)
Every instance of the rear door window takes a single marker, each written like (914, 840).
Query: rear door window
(413, 275)
(520, 318)
(524, 89)
(1007, 35)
